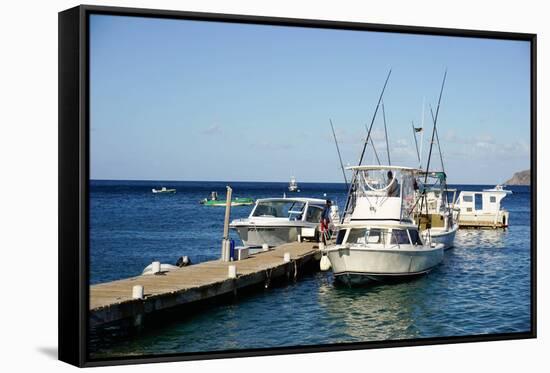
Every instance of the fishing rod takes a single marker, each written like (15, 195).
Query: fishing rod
(438, 144)
(373, 118)
(375, 152)
(365, 145)
(339, 155)
(415, 142)
(431, 147)
(435, 126)
(386, 133)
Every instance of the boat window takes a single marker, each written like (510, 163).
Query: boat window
(374, 235)
(357, 235)
(367, 236)
(399, 236)
(493, 199)
(415, 237)
(280, 209)
(467, 198)
(313, 214)
(340, 237)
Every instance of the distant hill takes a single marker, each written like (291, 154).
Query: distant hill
(520, 178)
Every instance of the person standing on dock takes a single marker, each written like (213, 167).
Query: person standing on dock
(325, 221)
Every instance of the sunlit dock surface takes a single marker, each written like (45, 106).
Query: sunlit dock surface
(113, 301)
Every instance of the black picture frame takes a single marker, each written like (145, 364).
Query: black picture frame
(74, 175)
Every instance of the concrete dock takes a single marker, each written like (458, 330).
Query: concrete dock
(112, 301)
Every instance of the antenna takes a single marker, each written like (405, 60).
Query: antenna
(339, 155)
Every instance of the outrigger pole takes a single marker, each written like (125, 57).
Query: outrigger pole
(364, 146)
(415, 142)
(339, 155)
(435, 128)
(373, 118)
(431, 147)
(438, 144)
(386, 133)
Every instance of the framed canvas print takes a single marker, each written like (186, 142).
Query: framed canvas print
(237, 185)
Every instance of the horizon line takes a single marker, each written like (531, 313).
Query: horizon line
(254, 181)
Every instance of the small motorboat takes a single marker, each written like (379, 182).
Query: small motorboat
(498, 188)
(163, 190)
(214, 201)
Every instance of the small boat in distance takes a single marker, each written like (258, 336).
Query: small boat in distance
(498, 188)
(163, 190)
(293, 185)
(214, 201)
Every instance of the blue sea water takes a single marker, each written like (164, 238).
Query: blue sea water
(482, 286)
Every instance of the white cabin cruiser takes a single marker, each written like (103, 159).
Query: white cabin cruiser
(275, 221)
(377, 237)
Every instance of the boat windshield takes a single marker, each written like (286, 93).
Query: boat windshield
(362, 236)
(280, 209)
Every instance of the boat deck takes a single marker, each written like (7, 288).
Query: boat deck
(112, 301)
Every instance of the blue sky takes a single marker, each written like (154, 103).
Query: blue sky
(190, 100)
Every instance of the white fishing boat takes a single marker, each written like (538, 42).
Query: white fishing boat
(163, 190)
(293, 185)
(435, 212)
(377, 237)
(483, 209)
(275, 221)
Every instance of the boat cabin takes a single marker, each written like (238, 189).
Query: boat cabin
(482, 209)
(381, 193)
(292, 209)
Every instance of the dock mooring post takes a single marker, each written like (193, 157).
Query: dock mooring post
(225, 240)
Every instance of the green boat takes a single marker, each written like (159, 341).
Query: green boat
(214, 201)
(234, 202)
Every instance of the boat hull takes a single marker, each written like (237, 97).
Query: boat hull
(355, 266)
(271, 235)
(444, 237)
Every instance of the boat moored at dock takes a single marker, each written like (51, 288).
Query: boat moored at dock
(377, 237)
(275, 221)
